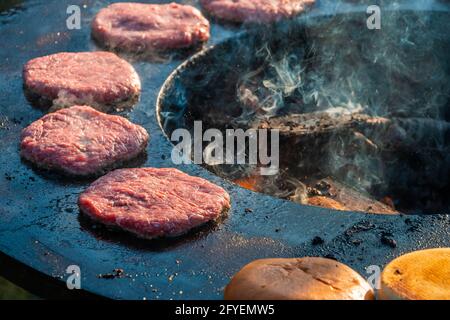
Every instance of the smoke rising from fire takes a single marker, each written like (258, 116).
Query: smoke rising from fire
(346, 68)
(365, 108)
(399, 73)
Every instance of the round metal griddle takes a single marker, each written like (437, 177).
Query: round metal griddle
(42, 232)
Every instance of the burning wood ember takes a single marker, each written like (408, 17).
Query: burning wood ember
(250, 183)
(348, 198)
(331, 194)
(326, 193)
(325, 202)
(377, 155)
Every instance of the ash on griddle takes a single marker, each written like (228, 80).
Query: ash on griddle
(8, 177)
(360, 227)
(116, 273)
(317, 241)
(388, 240)
(356, 242)
(330, 256)
(414, 225)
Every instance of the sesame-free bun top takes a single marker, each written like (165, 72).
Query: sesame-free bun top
(419, 275)
(298, 279)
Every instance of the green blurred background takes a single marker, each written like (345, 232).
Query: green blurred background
(11, 291)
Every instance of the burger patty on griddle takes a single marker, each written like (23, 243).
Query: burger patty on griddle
(140, 27)
(152, 202)
(98, 79)
(82, 141)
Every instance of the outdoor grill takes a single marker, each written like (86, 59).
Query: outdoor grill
(381, 143)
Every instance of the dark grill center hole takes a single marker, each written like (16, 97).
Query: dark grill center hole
(363, 115)
(359, 163)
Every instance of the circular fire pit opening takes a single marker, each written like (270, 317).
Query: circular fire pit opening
(363, 114)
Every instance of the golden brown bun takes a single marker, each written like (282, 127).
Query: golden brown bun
(419, 275)
(298, 279)
(325, 202)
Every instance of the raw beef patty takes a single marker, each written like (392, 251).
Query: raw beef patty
(152, 202)
(138, 27)
(82, 141)
(99, 79)
(257, 11)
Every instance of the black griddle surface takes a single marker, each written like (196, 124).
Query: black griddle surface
(42, 232)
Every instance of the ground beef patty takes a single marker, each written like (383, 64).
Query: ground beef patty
(137, 27)
(99, 79)
(152, 202)
(262, 11)
(82, 141)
